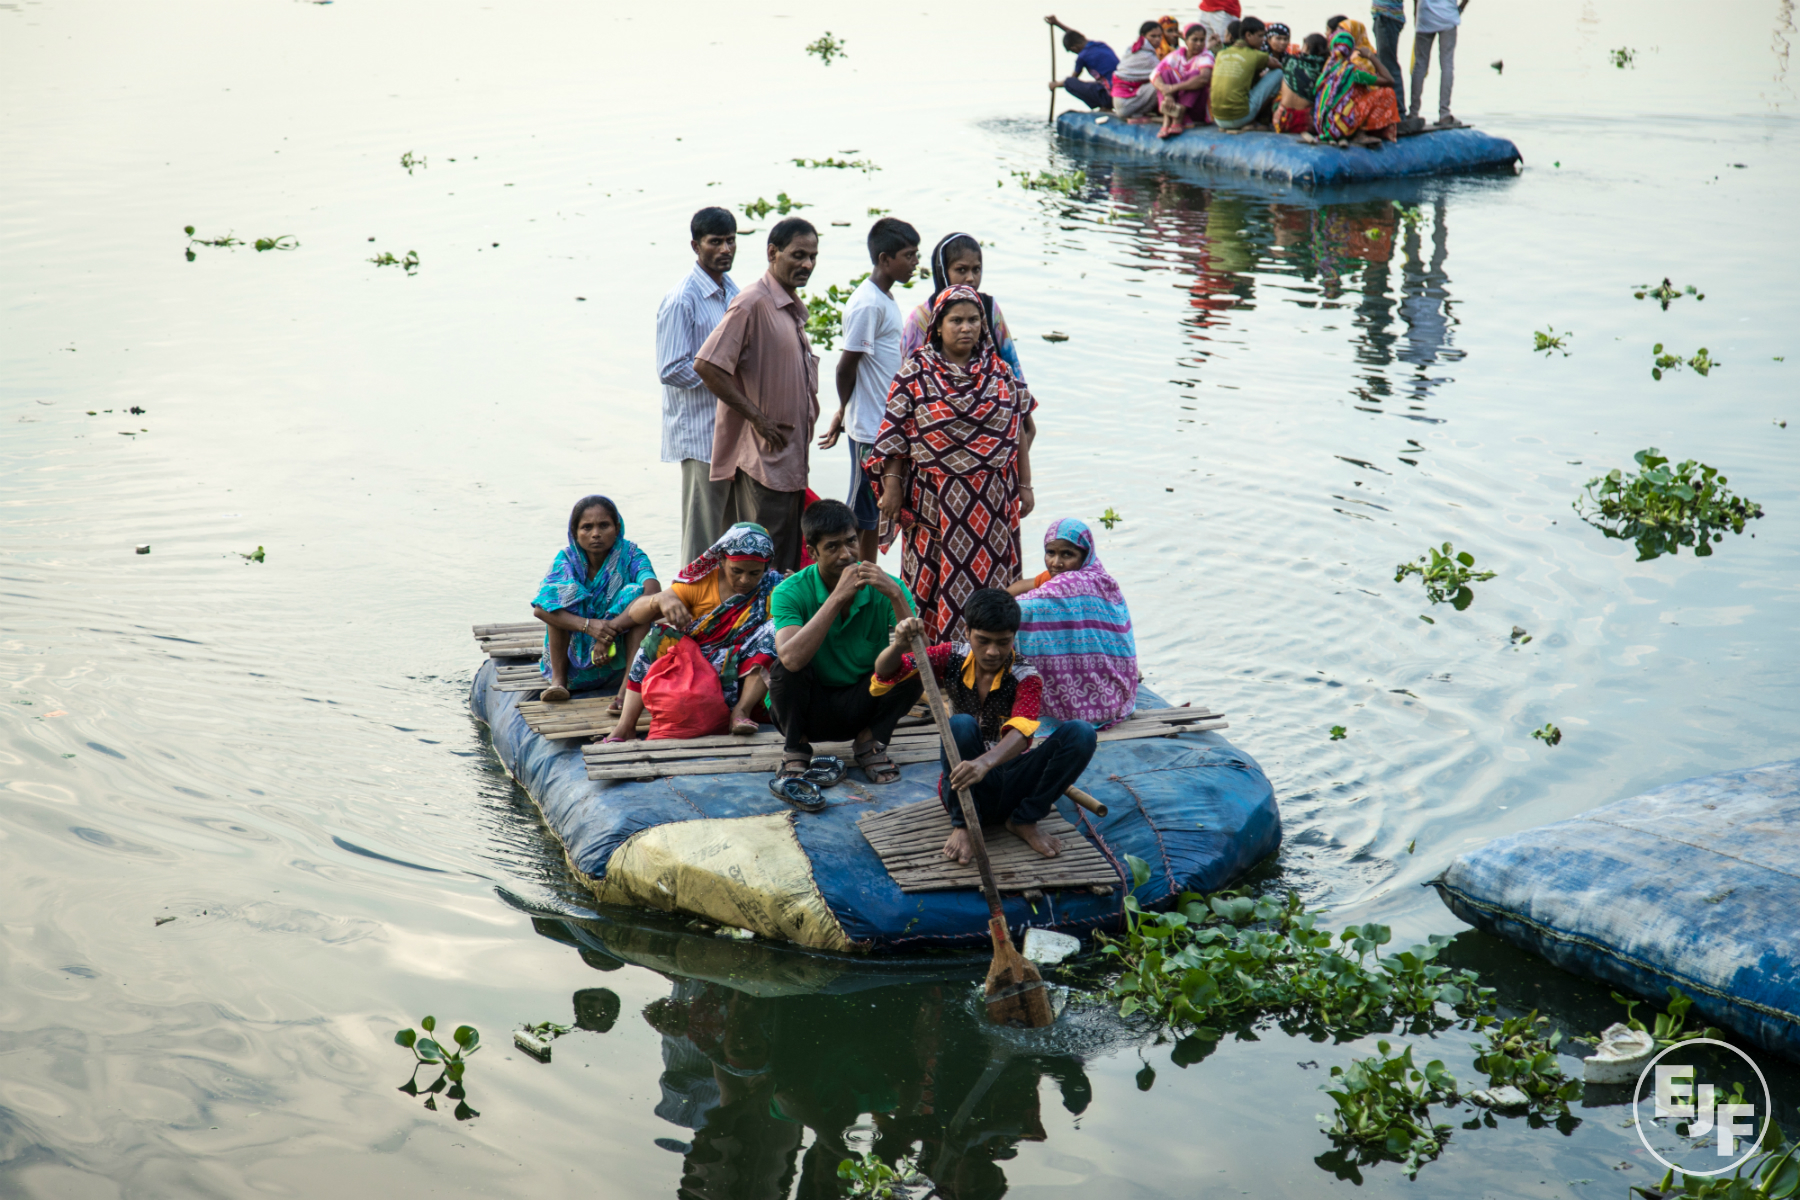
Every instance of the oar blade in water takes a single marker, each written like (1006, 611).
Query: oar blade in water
(1015, 990)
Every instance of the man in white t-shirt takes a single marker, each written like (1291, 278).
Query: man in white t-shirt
(1435, 20)
(872, 329)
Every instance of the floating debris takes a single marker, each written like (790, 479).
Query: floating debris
(1550, 735)
(827, 48)
(144, 549)
(1056, 335)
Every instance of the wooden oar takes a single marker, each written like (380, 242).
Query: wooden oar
(1015, 990)
(1052, 117)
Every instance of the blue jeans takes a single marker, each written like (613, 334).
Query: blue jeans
(1265, 90)
(1026, 788)
(1091, 92)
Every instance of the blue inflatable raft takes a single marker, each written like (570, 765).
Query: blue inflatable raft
(1285, 158)
(1199, 811)
(1695, 885)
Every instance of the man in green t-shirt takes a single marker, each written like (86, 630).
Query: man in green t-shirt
(1238, 96)
(832, 620)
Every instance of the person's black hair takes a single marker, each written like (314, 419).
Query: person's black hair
(952, 249)
(1252, 25)
(823, 518)
(595, 501)
(712, 221)
(1315, 43)
(991, 610)
(789, 228)
(1331, 25)
(1072, 41)
(1149, 27)
(1232, 30)
(890, 235)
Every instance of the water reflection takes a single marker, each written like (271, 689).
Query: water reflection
(1380, 255)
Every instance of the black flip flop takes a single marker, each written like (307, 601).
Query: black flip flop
(803, 794)
(827, 770)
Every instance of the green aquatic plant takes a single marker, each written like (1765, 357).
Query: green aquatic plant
(386, 259)
(1622, 57)
(1068, 182)
(429, 1051)
(1550, 735)
(284, 242)
(255, 555)
(409, 160)
(827, 48)
(1339, 733)
(223, 240)
(1411, 214)
(879, 212)
(1702, 362)
(1227, 958)
(825, 312)
(1772, 1173)
(841, 164)
(783, 205)
(1663, 508)
(1109, 518)
(869, 1177)
(1383, 1107)
(1549, 340)
(1446, 576)
(1666, 291)
(1516, 1053)
(1668, 1028)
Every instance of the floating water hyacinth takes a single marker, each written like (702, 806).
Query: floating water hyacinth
(1664, 507)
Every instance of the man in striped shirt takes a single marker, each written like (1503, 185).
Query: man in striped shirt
(684, 321)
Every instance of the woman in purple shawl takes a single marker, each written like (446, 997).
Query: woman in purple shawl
(1077, 632)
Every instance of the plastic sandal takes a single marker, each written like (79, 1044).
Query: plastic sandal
(554, 694)
(803, 794)
(827, 770)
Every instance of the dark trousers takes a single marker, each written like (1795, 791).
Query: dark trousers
(808, 711)
(1387, 49)
(777, 512)
(1090, 92)
(1027, 787)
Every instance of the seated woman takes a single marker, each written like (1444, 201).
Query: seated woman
(582, 601)
(1076, 630)
(1184, 79)
(1300, 70)
(1275, 41)
(729, 587)
(1355, 101)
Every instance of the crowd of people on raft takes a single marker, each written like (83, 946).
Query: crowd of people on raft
(782, 613)
(1236, 72)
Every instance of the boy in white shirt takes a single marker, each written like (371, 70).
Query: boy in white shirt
(871, 359)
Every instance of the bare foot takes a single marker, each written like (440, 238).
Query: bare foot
(618, 704)
(1045, 844)
(958, 848)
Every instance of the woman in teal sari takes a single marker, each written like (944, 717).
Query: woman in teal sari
(589, 639)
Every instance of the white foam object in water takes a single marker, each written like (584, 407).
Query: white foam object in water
(1501, 1097)
(1621, 1056)
(1049, 947)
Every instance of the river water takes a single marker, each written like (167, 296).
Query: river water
(1282, 395)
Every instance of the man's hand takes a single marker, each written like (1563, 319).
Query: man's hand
(849, 583)
(766, 430)
(673, 610)
(1054, 85)
(969, 772)
(904, 632)
(1051, 20)
(833, 430)
(880, 580)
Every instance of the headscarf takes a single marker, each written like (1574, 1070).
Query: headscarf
(1224, 6)
(1358, 31)
(735, 635)
(1334, 103)
(1171, 35)
(568, 587)
(1275, 27)
(1076, 629)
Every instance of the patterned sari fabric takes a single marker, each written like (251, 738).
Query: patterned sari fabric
(737, 636)
(1346, 102)
(959, 428)
(1077, 631)
(619, 580)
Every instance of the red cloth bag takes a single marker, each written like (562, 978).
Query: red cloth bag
(682, 694)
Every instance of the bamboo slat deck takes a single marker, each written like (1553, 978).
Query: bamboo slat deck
(914, 741)
(520, 639)
(910, 841)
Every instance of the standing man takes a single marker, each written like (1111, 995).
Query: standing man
(1389, 18)
(871, 359)
(760, 365)
(1438, 21)
(686, 318)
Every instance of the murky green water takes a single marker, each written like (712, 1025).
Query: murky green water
(1280, 405)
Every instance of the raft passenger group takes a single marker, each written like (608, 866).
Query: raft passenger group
(782, 613)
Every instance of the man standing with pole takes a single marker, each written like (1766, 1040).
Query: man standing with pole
(760, 365)
(686, 318)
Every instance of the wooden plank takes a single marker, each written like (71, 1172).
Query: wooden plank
(482, 631)
(909, 840)
(722, 746)
(728, 766)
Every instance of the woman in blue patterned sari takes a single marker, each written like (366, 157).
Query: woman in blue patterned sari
(589, 639)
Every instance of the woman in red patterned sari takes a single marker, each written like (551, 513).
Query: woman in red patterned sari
(955, 476)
